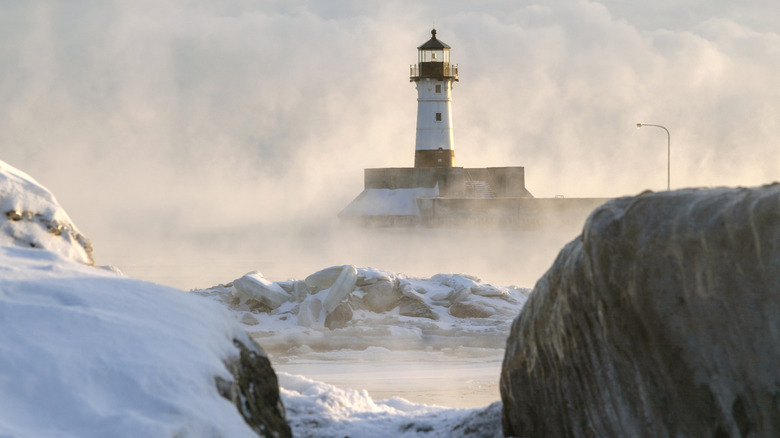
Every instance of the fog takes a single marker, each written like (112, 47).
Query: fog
(193, 141)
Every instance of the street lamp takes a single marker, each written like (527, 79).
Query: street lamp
(668, 153)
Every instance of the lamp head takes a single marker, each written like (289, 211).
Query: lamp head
(638, 125)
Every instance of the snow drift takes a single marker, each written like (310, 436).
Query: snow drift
(90, 354)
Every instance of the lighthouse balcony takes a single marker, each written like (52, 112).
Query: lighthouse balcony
(433, 70)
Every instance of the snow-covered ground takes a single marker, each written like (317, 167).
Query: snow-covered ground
(88, 353)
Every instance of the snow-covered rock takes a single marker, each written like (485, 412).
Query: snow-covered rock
(380, 308)
(254, 390)
(471, 310)
(381, 296)
(660, 320)
(339, 317)
(88, 353)
(253, 286)
(30, 217)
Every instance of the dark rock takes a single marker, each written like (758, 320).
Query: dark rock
(470, 310)
(256, 306)
(661, 319)
(339, 317)
(255, 391)
(482, 423)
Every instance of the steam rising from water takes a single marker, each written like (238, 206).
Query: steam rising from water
(200, 140)
(207, 258)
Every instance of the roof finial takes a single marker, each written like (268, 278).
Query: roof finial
(433, 33)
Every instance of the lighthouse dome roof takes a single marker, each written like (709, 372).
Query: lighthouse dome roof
(433, 43)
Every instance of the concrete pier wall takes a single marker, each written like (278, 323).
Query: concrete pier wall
(505, 182)
(492, 197)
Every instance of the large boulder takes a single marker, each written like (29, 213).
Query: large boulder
(661, 319)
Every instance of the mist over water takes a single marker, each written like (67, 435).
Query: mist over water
(207, 258)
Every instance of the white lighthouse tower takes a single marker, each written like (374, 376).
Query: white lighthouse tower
(433, 75)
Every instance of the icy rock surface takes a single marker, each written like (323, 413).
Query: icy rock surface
(255, 390)
(659, 320)
(30, 217)
(355, 308)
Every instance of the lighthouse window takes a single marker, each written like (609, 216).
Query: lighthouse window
(438, 117)
(438, 88)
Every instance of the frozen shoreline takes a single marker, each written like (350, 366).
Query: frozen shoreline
(453, 385)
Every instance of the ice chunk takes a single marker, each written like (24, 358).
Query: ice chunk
(459, 293)
(253, 286)
(344, 285)
(309, 312)
(325, 278)
(296, 288)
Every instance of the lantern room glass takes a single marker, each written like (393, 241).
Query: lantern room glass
(439, 55)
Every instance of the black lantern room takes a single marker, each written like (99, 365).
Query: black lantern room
(433, 61)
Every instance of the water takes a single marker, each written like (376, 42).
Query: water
(431, 378)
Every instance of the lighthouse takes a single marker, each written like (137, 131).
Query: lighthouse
(433, 76)
(435, 192)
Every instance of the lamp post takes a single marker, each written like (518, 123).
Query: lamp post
(668, 153)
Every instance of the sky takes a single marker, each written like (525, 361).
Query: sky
(156, 121)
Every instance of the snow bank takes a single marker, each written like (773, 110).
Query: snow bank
(319, 410)
(87, 353)
(382, 309)
(392, 202)
(31, 218)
